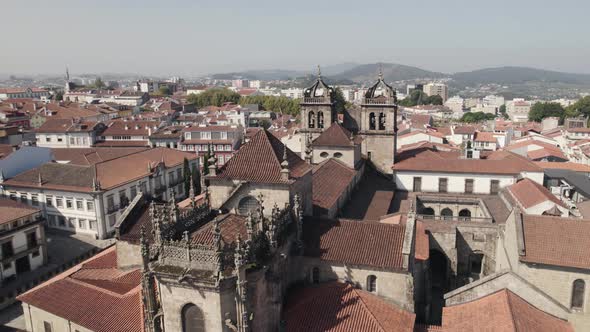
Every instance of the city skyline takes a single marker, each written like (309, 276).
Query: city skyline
(182, 38)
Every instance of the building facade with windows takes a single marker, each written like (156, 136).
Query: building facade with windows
(68, 133)
(223, 141)
(89, 199)
(22, 239)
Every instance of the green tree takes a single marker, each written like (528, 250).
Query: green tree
(581, 107)
(59, 96)
(434, 100)
(187, 176)
(278, 104)
(502, 111)
(214, 97)
(164, 90)
(473, 117)
(98, 83)
(340, 102)
(539, 111)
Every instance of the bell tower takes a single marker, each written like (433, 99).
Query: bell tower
(378, 125)
(317, 110)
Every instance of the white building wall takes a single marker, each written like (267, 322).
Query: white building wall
(455, 182)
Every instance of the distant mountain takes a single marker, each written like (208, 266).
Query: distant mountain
(265, 75)
(518, 75)
(391, 72)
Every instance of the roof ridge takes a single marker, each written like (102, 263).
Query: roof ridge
(510, 308)
(366, 306)
(269, 143)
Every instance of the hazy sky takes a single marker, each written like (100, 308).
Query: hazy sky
(182, 37)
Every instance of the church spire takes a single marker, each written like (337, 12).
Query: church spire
(319, 73)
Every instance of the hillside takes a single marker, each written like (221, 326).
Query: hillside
(391, 72)
(518, 75)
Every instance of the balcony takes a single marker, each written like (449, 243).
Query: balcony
(316, 100)
(453, 218)
(379, 101)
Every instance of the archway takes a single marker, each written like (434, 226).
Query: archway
(438, 264)
(311, 119)
(465, 215)
(247, 204)
(372, 121)
(192, 319)
(427, 213)
(320, 119)
(381, 121)
(446, 214)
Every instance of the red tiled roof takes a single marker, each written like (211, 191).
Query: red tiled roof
(122, 144)
(564, 165)
(230, 226)
(260, 160)
(556, 241)
(355, 242)
(330, 180)
(482, 136)
(134, 128)
(65, 126)
(502, 311)
(464, 130)
(339, 307)
(529, 193)
(422, 243)
(90, 156)
(544, 153)
(498, 162)
(11, 210)
(336, 135)
(93, 294)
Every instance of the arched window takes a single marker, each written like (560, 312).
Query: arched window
(372, 121)
(372, 283)
(337, 155)
(315, 275)
(428, 213)
(447, 214)
(320, 119)
(311, 119)
(381, 121)
(192, 319)
(578, 290)
(247, 204)
(324, 154)
(465, 215)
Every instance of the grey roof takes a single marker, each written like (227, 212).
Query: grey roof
(56, 175)
(578, 180)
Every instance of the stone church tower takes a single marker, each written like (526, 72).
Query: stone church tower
(317, 111)
(378, 125)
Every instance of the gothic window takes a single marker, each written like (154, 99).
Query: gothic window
(320, 119)
(381, 121)
(247, 204)
(311, 119)
(315, 275)
(192, 319)
(447, 214)
(371, 121)
(465, 215)
(578, 290)
(428, 213)
(372, 283)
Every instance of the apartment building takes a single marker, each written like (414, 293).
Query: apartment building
(223, 141)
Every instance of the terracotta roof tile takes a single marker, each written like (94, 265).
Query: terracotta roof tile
(556, 241)
(529, 193)
(339, 307)
(91, 156)
(502, 311)
(564, 165)
(481, 136)
(230, 226)
(11, 210)
(260, 160)
(336, 135)
(101, 299)
(355, 242)
(66, 126)
(330, 180)
(498, 162)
